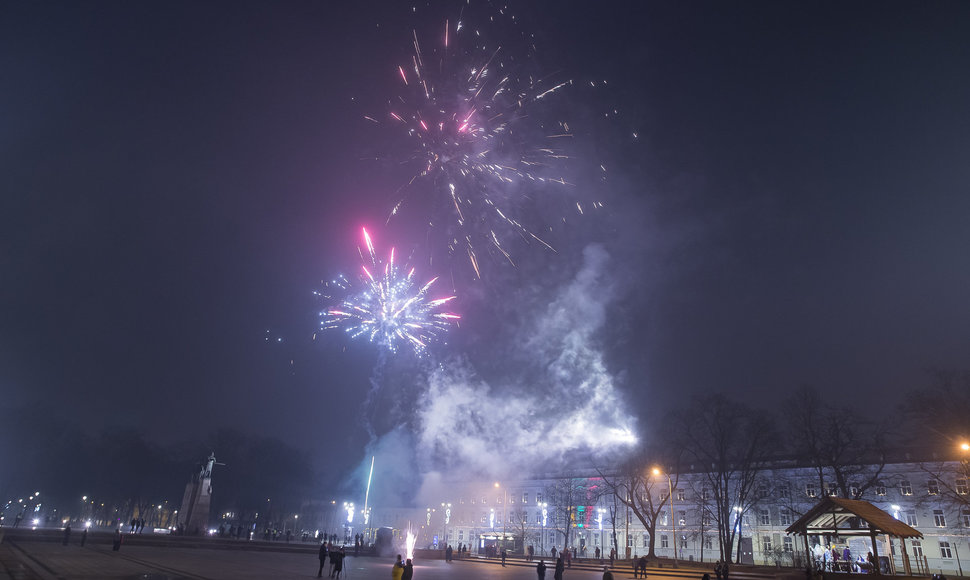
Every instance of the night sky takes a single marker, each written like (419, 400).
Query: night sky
(785, 202)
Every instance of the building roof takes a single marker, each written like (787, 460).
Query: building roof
(833, 512)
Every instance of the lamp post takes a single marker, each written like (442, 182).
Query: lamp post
(670, 496)
(542, 540)
(505, 501)
(446, 508)
(599, 521)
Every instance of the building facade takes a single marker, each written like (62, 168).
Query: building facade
(581, 513)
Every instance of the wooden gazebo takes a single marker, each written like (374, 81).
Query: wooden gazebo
(832, 515)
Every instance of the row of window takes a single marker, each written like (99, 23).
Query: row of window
(511, 497)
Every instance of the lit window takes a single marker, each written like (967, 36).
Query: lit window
(962, 487)
(525, 497)
(905, 487)
(854, 491)
(933, 487)
(810, 489)
(682, 518)
(880, 489)
(965, 514)
(939, 519)
(538, 497)
(831, 489)
(945, 550)
(911, 519)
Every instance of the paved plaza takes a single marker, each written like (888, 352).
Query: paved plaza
(47, 560)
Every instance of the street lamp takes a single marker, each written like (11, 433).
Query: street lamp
(446, 507)
(599, 520)
(670, 496)
(542, 540)
(505, 501)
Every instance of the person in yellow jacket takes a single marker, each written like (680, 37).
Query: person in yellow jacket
(398, 570)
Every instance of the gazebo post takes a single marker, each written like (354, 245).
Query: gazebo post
(875, 552)
(808, 553)
(906, 567)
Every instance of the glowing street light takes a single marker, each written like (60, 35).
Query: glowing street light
(670, 496)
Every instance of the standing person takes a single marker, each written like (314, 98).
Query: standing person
(116, 544)
(607, 575)
(408, 570)
(67, 534)
(725, 570)
(448, 554)
(597, 552)
(84, 537)
(503, 557)
(541, 569)
(569, 557)
(718, 572)
(339, 564)
(553, 551)
(323, 558)
(560, 568)
(398, 570)
(642, 565)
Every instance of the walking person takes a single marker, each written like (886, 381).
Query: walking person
(560, 568)
(323, 559)
(503, 557)
(67, 534)
(541, 570)
(397, 572)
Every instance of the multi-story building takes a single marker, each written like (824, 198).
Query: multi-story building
(582, 513)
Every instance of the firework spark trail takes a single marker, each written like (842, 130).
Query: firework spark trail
(466, 108)
(390, 309)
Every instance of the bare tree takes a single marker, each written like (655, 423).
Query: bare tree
(728, 443)
(643, 492)
(564, 496)
(847, 451)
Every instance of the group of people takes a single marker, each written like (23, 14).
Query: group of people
(403, 570)
(137, 525)
(336, 559)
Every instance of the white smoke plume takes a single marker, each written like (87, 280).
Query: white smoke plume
(571, 408)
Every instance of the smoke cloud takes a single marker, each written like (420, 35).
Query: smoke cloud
(571, 408)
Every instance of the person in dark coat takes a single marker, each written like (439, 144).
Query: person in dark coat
(67, 534)
(408, 570)
(448, 554)
(116, 544)
(541, 569)
(560, 568)
(338, 562)
(323, 559)
(503, 557)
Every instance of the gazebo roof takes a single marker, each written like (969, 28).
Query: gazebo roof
(832, 512)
